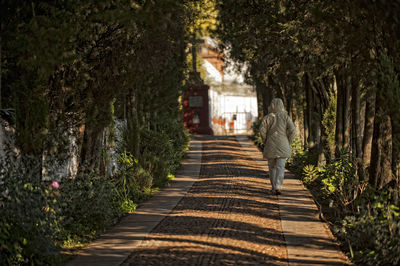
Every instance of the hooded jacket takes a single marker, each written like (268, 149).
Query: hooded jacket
(277, 131)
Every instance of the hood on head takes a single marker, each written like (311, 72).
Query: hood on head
(276, 106)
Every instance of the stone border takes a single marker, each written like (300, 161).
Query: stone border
(113, 247)
(309, 241)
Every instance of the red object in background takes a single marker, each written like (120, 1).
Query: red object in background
(196, 113)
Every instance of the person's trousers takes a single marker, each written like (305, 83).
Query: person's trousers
(276, 172)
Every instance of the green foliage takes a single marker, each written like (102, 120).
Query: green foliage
(78, 65)
(88, 206)
(37, 220)
(202, 17)
(297, 147)
(133, 183)
(300, 158)
(128, 206)
(157, 156)
(340, 182)
(84, 58)
(161, 152)
(310, 173)
(29, 223)
(306, 53)
(180, 138)
(365, 220)
(312, 54)
(373, 234)
(388, 78)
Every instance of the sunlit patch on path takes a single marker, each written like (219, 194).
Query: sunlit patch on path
(228, 217)
(220, 211)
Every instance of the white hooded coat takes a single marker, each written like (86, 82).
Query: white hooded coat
(277, 131)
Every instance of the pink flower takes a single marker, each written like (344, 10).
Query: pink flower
(55, 184)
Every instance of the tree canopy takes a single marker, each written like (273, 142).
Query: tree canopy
(335, 64)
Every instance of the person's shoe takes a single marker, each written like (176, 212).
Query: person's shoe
(278, 192)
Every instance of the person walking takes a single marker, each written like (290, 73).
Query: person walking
(277, 133)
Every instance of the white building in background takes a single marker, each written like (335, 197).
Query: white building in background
(233, 103)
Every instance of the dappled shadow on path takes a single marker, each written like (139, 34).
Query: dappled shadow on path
(229, 216)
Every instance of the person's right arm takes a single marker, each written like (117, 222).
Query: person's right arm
(264, 129)
(290, 130)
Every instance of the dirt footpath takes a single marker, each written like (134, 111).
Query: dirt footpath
(228, 217)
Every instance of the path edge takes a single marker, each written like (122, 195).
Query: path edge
(116, 244)
(286, 226)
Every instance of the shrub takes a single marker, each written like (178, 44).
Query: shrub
(310, 174)
(300, 158)
(179, 137)
(133, 183)
(373, 233)
(365, 220)
(157, 155)
(88, 205)
(28, 220)
(36, 219)
(162, 151)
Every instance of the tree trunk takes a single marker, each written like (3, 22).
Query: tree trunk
(316, 109)
(260, 104)
(309, 112)
(321, 134)
(356, 103)
(381, 156)
(396, 152)
(322, 148)
(356, 128)
(132, 137)
(347, 113)
(1, 33)
(318, 113)
(280, 92)
(368, 127)
(264, 96)
(324, 93)
(80, 139)
(267, 98)
(289, 102)
(306, 130)
(339, 113)
(269, 92)
(305, 115)
(89, 158)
